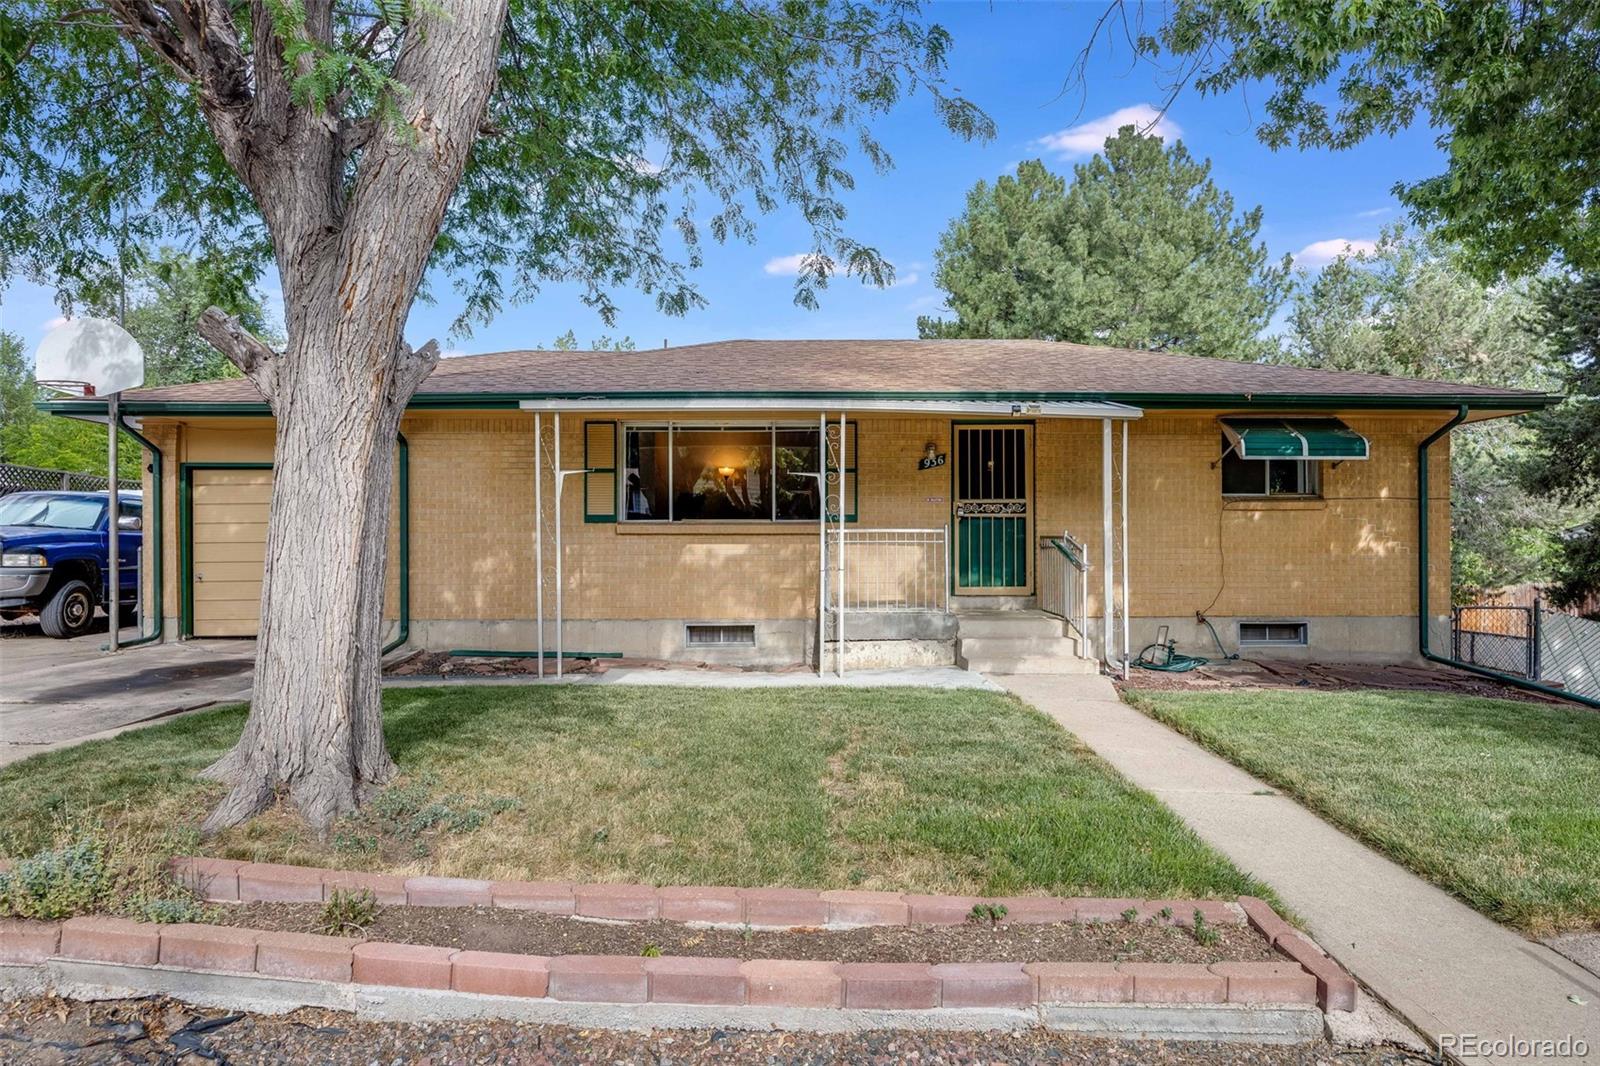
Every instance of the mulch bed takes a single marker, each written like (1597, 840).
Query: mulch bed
(1330, 677)
(40, 1031)
(534, 933)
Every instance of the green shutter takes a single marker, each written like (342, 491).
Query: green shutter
(600, 472)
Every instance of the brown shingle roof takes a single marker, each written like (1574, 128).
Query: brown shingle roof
(1002, 368)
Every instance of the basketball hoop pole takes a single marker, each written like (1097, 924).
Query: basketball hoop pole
(113, 516)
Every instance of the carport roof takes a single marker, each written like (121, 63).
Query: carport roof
(840, 370)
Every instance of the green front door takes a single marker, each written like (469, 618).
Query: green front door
(993, 503)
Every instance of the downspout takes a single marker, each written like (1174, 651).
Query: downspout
(404, 462)
(155, 566)
(1422, 580)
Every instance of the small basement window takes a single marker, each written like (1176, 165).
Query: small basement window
(721, 636)
(1272, 632)
(1267, 477)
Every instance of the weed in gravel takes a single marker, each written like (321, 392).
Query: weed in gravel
(347, 913)
(1204, 935)
(1130, 915)
(986, 913)
(650, 951)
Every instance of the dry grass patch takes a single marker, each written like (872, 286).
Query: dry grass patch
(903, 789)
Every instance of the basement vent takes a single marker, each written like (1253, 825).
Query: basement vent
(1272, 632)
(721, 636)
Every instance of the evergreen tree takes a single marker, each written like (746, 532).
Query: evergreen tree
(1140, 250)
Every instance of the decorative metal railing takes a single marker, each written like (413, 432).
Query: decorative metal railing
(894, 569)
(1064, 582)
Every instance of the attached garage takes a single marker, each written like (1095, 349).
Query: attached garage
(224, 517)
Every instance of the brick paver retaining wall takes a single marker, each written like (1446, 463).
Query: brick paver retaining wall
(1306, 975)
(630, 979)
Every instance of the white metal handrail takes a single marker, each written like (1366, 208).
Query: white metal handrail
(896, 569)
(1064, 581)
(891, 571)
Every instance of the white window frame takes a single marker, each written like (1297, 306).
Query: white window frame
(671, 429)
(1310, 478)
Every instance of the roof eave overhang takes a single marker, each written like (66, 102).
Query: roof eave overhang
(1481, 405)
(1007, 408)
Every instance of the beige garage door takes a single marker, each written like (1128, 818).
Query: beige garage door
(229, 536)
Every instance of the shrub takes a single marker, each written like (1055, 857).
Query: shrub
(88, 869)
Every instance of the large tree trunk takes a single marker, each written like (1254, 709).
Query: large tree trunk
(315, 725)
(350, 260)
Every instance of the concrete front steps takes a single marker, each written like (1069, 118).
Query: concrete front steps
(1017, 642)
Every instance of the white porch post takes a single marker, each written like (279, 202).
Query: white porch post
(822, 540)
(1108, 554)
(538, 532)
(559, 479)
(844, 464)
(1125, 623)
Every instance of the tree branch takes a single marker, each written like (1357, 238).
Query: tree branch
(254, 358)
(412, 367)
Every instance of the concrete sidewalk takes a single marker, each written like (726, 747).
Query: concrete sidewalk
(1446, 968)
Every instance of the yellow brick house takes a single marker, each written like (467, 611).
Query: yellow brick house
(1000, 504)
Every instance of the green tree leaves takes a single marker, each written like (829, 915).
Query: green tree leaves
(1411, 308)
(620, 134)
(1566, 463)
(1141, 249)
(1512, 85)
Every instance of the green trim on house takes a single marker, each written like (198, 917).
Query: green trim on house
(186, 537)
(591, 516)
(1147, 400)
(155, 509)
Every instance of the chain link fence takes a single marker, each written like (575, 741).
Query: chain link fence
(1496, 637)
(1569, 651)
(14, 478)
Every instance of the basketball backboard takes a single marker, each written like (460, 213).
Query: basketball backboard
(94, 355)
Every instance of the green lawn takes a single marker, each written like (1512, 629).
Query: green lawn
(904, 789)
(1496, 800)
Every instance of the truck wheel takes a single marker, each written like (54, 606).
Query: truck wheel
(69, 612)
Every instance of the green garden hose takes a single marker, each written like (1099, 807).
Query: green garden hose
(1167, 658)
(1170, 659)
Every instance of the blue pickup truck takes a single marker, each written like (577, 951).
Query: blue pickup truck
(55, 556)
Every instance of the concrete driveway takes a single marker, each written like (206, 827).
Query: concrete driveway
(55, 693)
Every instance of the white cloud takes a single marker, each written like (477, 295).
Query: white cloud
(1374, 213)
(452, 353)
(59, 320)
(905, 281)
(1321, 253)
(787, 266)
(1087, 138)
(927, 303)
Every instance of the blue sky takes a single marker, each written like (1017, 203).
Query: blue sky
(1013, 60)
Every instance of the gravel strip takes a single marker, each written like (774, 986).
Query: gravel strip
(533, 933)
(48, 1031)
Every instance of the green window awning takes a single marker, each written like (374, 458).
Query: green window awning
(1293, 438)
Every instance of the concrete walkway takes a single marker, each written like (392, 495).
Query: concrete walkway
(57, 693)
(1443, 966)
